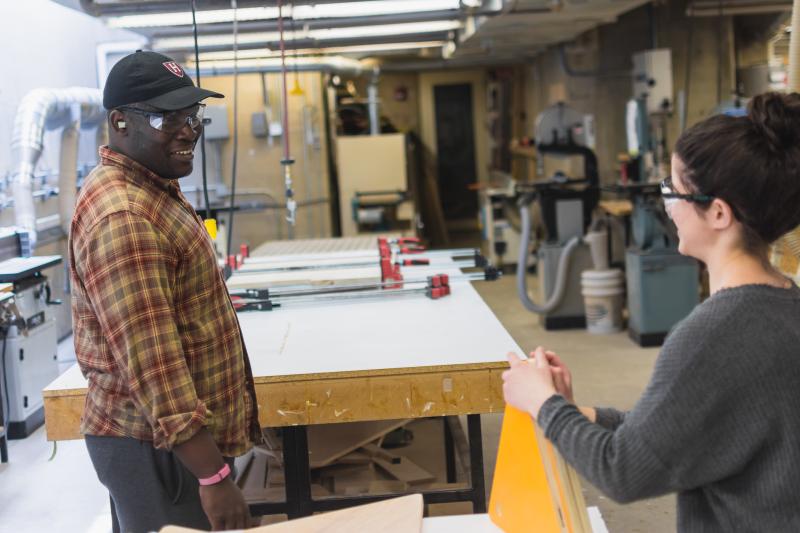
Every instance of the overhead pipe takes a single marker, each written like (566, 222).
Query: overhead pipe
(333, 65)
(372, 103)
(73, 108)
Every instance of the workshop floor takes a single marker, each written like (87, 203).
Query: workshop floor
(63, 494)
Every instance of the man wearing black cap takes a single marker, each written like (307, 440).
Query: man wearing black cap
(171, 399)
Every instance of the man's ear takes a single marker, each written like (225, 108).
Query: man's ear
(118, 122)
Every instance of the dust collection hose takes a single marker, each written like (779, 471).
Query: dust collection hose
(522, 263)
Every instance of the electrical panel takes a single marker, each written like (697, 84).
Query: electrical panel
(218, 128)
(652, 79)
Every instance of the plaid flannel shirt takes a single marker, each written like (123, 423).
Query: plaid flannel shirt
(155, 333)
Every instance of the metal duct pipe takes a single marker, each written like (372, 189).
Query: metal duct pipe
(333, 65)
(40, 110)
(372, 103)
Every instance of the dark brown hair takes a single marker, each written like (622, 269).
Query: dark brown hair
(751, 162)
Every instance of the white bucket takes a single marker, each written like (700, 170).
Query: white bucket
(603, 295)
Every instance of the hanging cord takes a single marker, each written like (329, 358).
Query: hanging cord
(202, 136)
(720, 37)
(235, 124)
(291, 204)
(296, 55)
(687, 80)
(7, 405)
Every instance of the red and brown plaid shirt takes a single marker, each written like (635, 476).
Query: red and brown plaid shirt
(155, 332)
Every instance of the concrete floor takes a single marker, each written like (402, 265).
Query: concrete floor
(63, 494)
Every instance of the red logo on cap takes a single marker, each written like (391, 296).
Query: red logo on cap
(174, 68)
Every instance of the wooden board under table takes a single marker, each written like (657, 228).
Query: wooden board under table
(391, 358)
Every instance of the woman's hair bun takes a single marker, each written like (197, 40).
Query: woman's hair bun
(776, 117)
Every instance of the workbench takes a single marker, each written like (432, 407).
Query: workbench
(392, 358)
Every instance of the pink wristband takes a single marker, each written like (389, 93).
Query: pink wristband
(224, 472)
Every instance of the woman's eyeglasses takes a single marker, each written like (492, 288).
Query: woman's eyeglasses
(170, 122)
(670, 196)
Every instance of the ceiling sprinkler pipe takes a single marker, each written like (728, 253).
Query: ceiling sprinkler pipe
(522, 263)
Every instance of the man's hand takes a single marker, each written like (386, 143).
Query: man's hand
(528, 384)
(224, 505)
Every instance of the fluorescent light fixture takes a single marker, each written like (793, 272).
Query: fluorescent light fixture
(303, 12)
(373, 8)
(227, 55)
(185, 18)
(382, 30)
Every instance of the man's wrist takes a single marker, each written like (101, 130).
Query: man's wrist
(218, 477)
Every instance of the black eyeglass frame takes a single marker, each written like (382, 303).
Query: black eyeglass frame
(194, 120)
(668, 192)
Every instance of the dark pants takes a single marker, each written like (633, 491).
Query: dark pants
(149, 488)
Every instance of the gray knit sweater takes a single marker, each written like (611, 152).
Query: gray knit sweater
(719, 422)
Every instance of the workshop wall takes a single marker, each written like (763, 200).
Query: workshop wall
(258, 167)
(600, 61)
(399, 100)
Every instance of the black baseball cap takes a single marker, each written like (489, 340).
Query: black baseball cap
(154, 79)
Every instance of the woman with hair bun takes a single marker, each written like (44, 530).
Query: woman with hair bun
(719, 421)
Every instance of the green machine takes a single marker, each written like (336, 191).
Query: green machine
(662, 284)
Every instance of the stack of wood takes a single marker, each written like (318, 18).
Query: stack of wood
(342, 463)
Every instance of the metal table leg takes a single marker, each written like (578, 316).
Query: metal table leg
(297, 472)
(476, 464)
(449, 451)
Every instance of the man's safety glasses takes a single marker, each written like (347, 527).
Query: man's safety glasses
(170, 122)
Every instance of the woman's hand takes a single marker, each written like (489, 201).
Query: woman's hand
(528, 384)
(562, 377)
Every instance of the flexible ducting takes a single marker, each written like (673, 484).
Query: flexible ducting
(40, 110)
(522, 263)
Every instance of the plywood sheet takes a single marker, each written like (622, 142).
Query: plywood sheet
(318, 246)
(329, 442)
(368, 163)
(333, 276)
(397, 515)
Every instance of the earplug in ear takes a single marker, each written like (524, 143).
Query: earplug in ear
(121, 124)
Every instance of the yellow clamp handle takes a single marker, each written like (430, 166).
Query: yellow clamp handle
(211, 228)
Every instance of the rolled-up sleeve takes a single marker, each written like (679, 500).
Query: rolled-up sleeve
(126, 265)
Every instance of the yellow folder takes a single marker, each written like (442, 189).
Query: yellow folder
(533, 488)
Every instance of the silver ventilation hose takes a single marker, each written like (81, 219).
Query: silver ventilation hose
(522, 263)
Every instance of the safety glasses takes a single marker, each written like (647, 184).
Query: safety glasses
(671, 197)
(170, 122)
